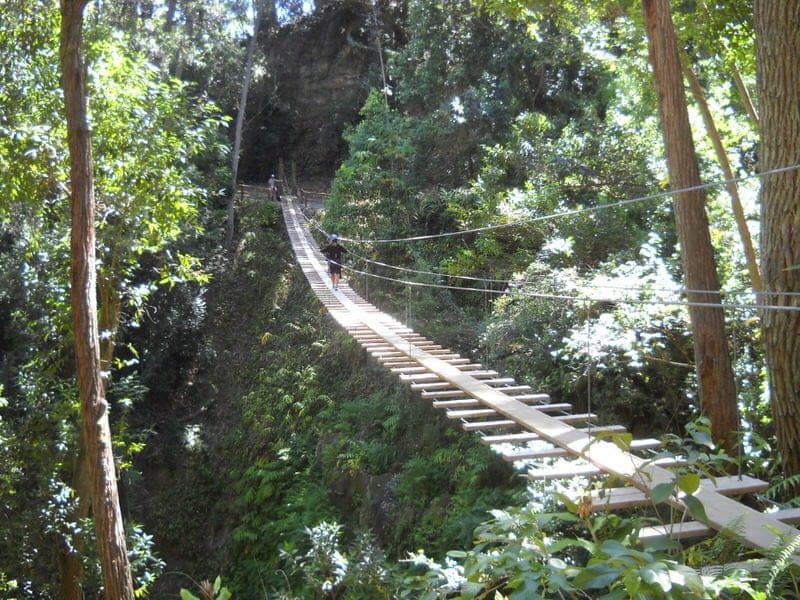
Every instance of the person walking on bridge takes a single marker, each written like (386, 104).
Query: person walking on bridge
(334, 252)
(272, 187)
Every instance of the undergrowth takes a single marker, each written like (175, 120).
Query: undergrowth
(282, 422)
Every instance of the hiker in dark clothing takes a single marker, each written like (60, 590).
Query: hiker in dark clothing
(333, 252)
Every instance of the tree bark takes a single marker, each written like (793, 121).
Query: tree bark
(727, 171)
(237, 140)
(714, 373)
(95, 429)
(777, 55)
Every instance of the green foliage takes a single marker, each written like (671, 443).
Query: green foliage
(521, 554)
(370, 195)
(31, 128)
(785, 487)
(333, 572)
(208, 591)
(630, 352)
(277, 423)
(149, 136)
(484, 70)
(779, 575)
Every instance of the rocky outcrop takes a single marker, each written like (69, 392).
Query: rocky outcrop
(320, 70)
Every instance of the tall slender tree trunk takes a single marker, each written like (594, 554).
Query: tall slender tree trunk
(744, 95)
(725, 165)
(237, 140)
(169, 18)
(777, 56)
(117, 581)
(714, 373)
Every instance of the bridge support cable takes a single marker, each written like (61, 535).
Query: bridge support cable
(444, 376)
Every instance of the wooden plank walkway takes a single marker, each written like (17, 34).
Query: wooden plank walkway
(496, 403)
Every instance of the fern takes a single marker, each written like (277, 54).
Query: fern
(784, 487)
(783, 559)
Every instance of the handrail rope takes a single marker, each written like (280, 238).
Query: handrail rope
(731, 292)
(577, 211)
(314, 223)
(529, 294)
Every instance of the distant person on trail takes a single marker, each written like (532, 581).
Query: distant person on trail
(333, 252)
(272, 186)
(303, 198)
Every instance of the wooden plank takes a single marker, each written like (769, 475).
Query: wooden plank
(576, 418)
(442, 355)
(627, 497)
(529, 398)
(426, 377)
(361, 328)
(387, 354)
(554, 452)
(509, 390)
(537, 399)
(589, 470)
(433, 377)
(399, 363)
(477, 413)
(529, 436)
(376, 340)
(409, 334)
(787, 515)
(441, 386)
(694, 529)
(508, 423)
(390, 362)
(489, 425)
(408, 370)
(510, 438)
(432, 386)
(373, 346)
(676, 531)
(500, 381)
(427, 395)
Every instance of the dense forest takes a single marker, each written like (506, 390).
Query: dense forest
(600, 199)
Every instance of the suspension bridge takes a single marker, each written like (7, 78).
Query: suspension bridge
(530, 430)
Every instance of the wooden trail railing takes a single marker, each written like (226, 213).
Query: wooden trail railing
(485, 402)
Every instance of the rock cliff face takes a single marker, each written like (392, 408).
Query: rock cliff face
(320, 71)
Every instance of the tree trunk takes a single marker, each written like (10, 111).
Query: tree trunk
(725, 165)
(744, 95)
(108, 316)
(70, 565)
(714, 374)
(114, 563)
(777, 56)
(169, 18)
(237, 140)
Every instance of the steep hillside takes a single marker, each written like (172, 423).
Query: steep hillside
(276, 420)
